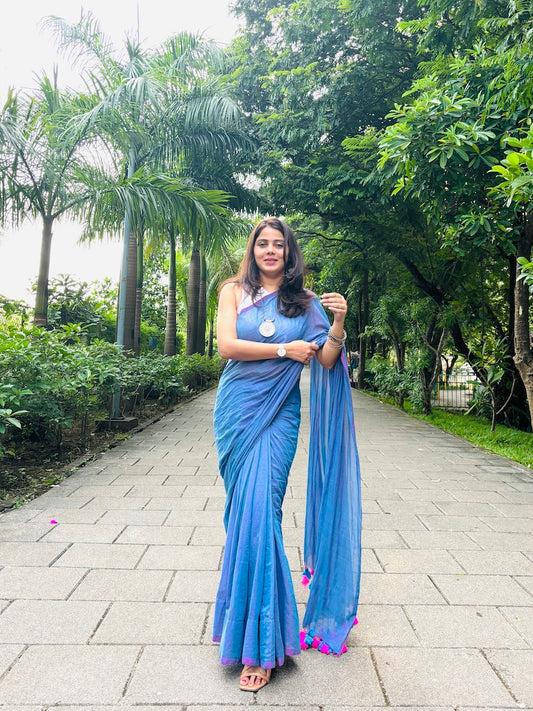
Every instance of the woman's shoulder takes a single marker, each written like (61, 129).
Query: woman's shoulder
(231, 289)
(311, 296)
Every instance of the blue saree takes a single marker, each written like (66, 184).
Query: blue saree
(257, 418)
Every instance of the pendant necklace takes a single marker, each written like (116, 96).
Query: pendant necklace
(267, 328)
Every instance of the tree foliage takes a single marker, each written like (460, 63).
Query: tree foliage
(388, 129)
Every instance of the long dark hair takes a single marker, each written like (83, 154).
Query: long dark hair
(293, 299)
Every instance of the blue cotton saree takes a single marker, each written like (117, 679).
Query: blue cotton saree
(257, 418)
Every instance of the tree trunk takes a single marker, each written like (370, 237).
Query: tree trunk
(363, 323)
(399, 350)
(138, 296)
(129, 322)
(210, 344)
(170, 327)
(202, 305)
(513, 265)
(464, 350)
(40, 316)
(523, 356)
(193, 294)
(435, 341)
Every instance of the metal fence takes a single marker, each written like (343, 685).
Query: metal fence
(455, 392)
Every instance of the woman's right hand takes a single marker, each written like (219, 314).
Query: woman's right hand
(302, 351)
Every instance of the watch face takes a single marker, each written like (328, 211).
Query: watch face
(281, 351)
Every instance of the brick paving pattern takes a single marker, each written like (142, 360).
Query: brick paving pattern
(111, 607)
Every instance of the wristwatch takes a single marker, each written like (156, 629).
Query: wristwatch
(281, 351)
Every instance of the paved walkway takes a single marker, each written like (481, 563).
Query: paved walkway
(111, 606)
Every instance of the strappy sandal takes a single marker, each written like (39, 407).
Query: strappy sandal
(247, 672)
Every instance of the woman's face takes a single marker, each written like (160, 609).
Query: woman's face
(269, 252)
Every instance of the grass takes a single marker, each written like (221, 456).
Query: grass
(510, 443)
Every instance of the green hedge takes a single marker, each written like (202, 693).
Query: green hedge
(51, 380)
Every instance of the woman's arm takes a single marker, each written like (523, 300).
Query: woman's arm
(229, 346)
(329, 354)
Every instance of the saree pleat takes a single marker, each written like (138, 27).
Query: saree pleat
(256, 619)
(257, 417)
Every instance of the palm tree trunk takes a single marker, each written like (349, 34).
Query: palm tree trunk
(40, 316)
(131, 288)
(138, 296)
(193, 289)
(202, 305)
(126, 270)
(170, 328)
(210, 340)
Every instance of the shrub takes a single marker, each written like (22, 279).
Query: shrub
(390, 382)
(150, 376)
(198, 371)
(52, 380)
(59, 378)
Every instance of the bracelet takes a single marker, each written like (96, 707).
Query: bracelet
(335, 346)
(335, 338)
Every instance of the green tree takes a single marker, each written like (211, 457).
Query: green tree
(445, 142)
(311, 74)
(516, 187)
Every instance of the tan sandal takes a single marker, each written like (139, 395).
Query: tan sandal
(247, 672)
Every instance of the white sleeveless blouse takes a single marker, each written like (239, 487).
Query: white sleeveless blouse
(246, 299)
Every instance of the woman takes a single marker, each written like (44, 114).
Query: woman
(269, 326)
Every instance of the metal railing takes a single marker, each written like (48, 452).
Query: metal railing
(454, 392)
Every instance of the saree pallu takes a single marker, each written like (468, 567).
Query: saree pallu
(257, 418)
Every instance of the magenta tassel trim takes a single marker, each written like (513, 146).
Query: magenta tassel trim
(307, 575)
(307, 639)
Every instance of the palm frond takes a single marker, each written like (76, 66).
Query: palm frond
(82, 40)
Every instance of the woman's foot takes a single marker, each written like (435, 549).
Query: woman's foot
(254, 678)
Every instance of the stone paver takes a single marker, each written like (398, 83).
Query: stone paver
(127, 585)
(38, 583)
(107, 581)
(50, 621)
(69, 674)
(152, 623)
(439, 677)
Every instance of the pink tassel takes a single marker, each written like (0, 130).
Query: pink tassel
(306, 641)
(307, 575)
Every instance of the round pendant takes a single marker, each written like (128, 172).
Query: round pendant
(267, 328)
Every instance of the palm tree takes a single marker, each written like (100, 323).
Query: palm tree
(49, 170)
(41, 171)
(167, 234)
(218, 174)
(156, 109)
(177, 281)
(222, 265)
(207, 247)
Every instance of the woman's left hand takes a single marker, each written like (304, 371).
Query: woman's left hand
(336, 303)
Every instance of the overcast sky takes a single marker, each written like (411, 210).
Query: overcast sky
(25, 49)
